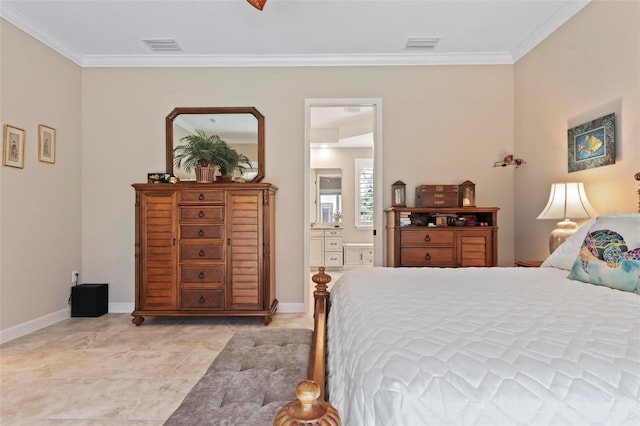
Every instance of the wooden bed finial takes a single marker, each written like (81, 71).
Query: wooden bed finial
(321, 279)
(308, 410)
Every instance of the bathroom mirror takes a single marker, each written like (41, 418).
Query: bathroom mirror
(329, 196)
(241, 127)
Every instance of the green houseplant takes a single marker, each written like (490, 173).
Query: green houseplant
(230, 160)
(206, 153)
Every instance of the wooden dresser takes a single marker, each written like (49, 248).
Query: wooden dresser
(205, 250)
(410, 242)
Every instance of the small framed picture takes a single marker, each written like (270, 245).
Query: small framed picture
(592, 144)
(13, 147)
(46, 144)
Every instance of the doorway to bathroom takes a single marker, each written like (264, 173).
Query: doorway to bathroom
(343, 216)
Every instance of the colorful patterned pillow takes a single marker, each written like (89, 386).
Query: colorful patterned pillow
(564, 256)
(610, 254)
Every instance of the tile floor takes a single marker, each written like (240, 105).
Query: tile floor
(106, 371)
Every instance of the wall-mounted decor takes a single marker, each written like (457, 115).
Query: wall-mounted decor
(13, 147)
(46, 144)
(592, 144)
(508, 160)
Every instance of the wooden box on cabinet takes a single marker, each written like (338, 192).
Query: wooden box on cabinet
(410, 243)
(205, 250)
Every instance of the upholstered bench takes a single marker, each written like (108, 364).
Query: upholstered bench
(249, 381)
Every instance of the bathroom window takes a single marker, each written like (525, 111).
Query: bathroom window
(364, 192)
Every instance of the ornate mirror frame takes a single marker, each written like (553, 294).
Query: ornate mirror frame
(216, 110)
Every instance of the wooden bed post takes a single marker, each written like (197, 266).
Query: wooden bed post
(310, 408)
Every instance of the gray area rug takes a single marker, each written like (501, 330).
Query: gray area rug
(249, 381)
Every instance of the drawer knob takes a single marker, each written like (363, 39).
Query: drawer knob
(201, 214)
(201, 233)
(201, 197)
(201, 300)
(427, 238)
(201, 253)
(201, 275)
(427, 256)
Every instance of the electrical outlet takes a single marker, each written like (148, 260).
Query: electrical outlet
(74, 277)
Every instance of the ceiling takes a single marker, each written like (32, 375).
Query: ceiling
(106, 33)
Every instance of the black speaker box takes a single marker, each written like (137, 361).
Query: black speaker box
(89, 300)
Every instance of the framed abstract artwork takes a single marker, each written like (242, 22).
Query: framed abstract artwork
(13, 147)
(46, 144)
(592, 144)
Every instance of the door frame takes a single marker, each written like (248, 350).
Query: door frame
(378, 239)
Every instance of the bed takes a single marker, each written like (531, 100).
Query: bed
(486, 346)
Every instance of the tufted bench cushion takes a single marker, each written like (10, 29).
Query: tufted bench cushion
(249, 381)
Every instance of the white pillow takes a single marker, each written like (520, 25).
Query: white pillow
(564, 256)
(610, 254)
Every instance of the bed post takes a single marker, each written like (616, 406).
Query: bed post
(310, 408)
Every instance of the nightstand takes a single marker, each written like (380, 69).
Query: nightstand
(529, 263)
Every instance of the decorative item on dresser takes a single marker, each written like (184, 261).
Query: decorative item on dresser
(398, 194)
(205, 252)
(447, 237)
(566, 200)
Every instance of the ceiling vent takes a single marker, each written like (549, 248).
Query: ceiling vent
(163, 45)
(422, 42)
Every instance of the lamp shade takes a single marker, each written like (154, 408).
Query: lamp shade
(567, 200)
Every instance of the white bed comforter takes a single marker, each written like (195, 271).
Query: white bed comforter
(482, 346)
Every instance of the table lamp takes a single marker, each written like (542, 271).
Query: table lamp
(566, 200)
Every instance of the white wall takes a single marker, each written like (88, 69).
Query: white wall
(40, 223)
(440, 124)
(588, 68)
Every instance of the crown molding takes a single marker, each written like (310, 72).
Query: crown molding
(562, 15)
(16, 18)
(488, 58)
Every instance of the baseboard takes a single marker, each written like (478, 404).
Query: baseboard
(116, 308)
(291, 308)
(121, 308)
(34, 325)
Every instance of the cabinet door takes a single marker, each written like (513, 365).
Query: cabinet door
(157, 264)
(245, 249)
(316, 251)
(475, 248)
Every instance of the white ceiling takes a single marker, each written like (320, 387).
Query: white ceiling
(103, 33)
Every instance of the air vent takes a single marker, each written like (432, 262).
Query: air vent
(163, 45)
(422, 42)
(352, 109)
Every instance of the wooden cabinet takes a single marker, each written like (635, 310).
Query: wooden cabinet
(413, 240)
(205, 250)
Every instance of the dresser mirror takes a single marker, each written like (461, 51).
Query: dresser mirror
(241, 127)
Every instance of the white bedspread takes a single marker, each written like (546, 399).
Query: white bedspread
(482, 346)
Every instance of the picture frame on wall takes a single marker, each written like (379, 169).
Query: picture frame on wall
(592, 144)
(46, 144)
(13, 147)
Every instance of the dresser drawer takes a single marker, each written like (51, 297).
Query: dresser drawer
(426, 237)
(210, 251)
(215, 231)
(202, 274)
(202, 213)
(333, 258)
(333, 233)
(427, 256)
(202, 298)
(333, 244)
(202, 197)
